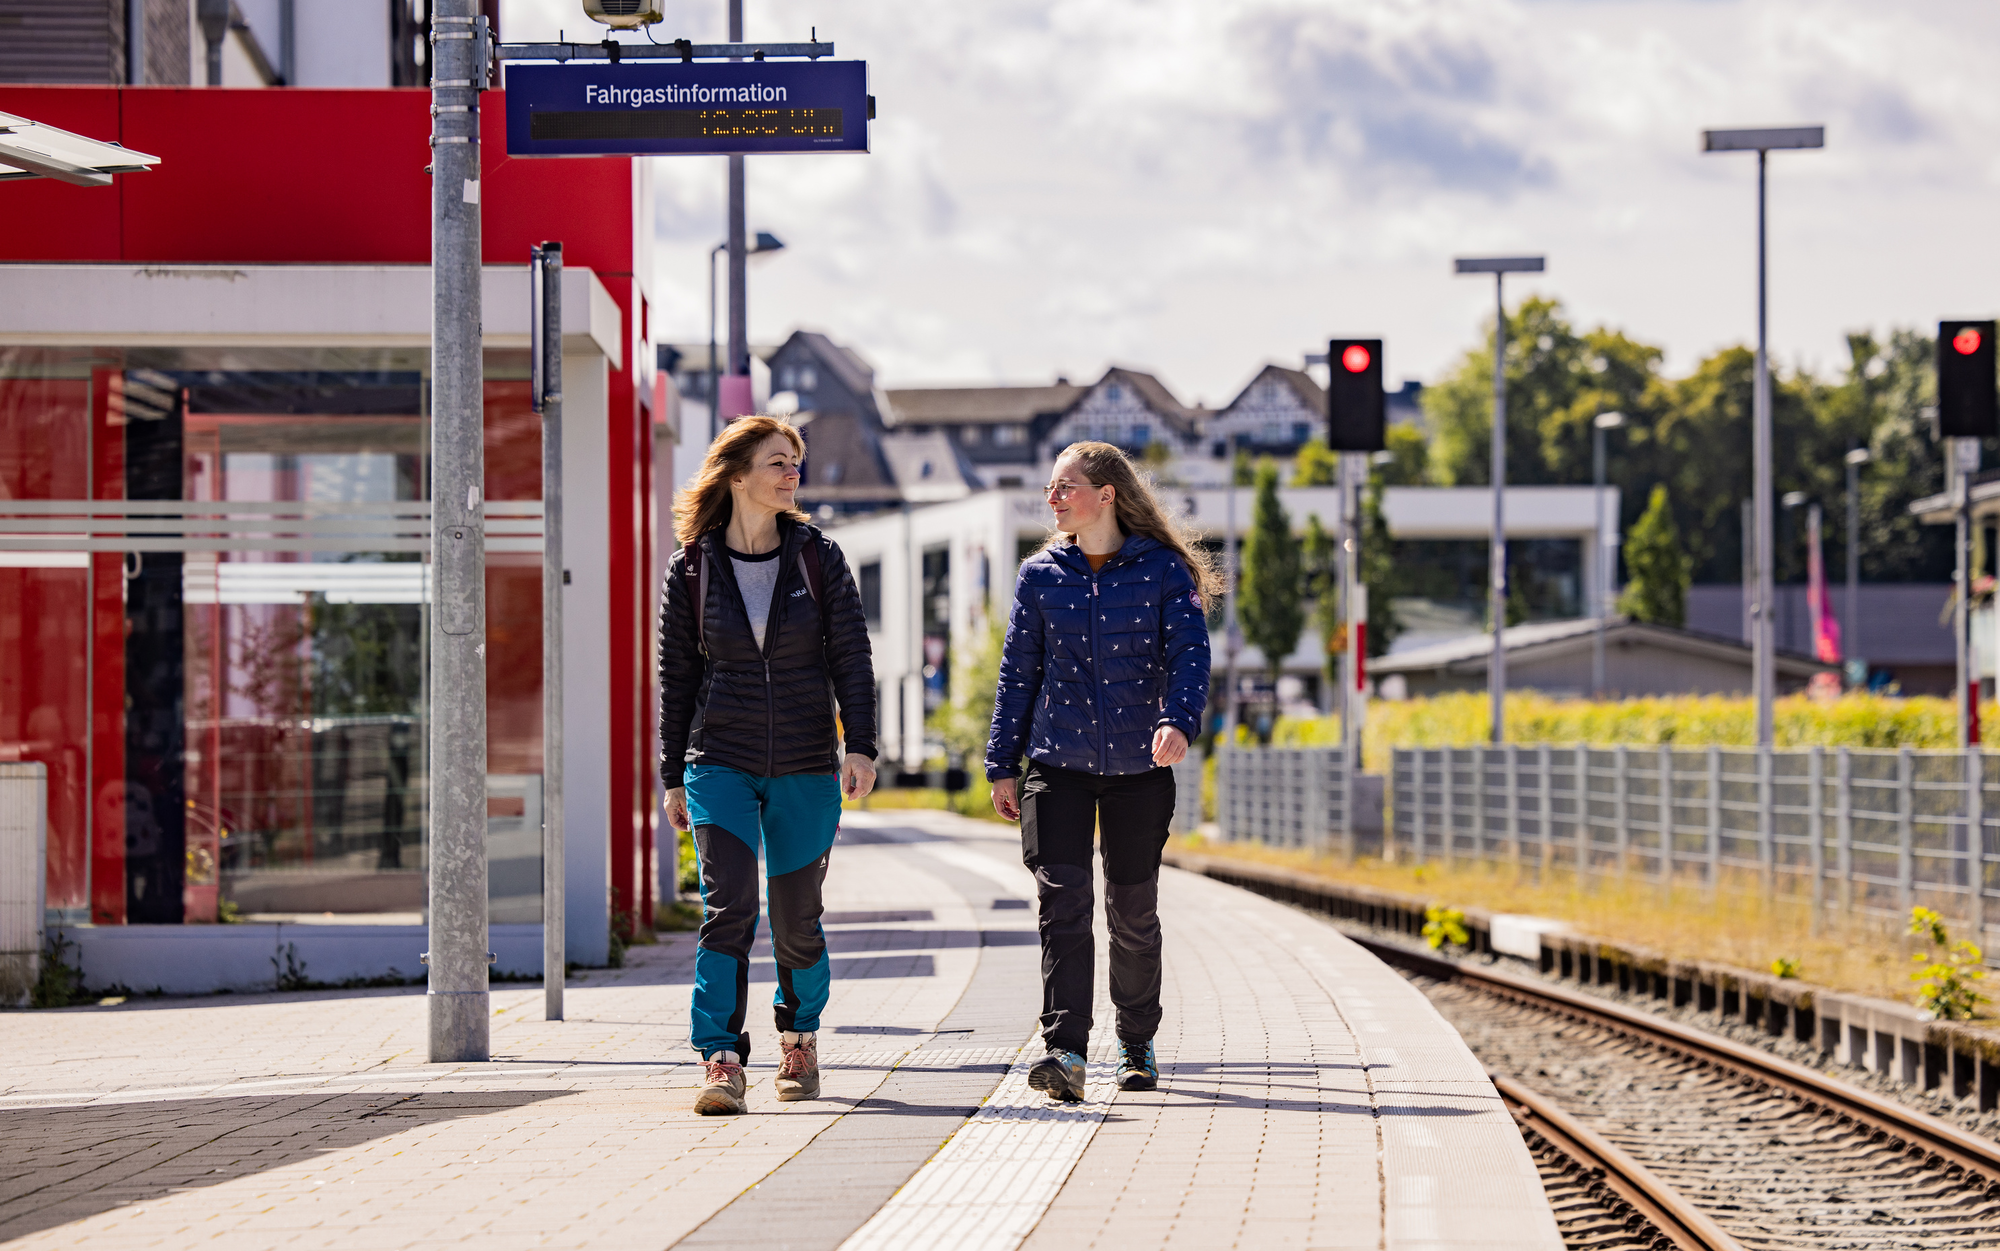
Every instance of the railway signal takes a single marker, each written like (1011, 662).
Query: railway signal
(1967, 407)
(1354, 406)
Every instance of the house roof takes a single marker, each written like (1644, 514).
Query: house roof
(927, 467)
(1001, 405)
(1470, 655)
(842, 462)
(1310, 393)
(1182, 419)
(857, 375)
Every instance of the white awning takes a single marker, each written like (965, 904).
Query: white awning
(29, 149)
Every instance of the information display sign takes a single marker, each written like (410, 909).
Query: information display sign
(691, 108)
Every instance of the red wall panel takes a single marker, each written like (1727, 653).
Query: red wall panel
(45, 220)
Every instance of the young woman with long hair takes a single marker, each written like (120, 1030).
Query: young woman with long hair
(1102, 684)
(761, 632)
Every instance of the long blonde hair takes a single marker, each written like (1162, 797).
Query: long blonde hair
(1138, 510)
(705, 504)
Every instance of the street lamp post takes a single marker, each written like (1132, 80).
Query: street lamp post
(1762, 141)
(1496, 670)
(1607, 553)
(1852, 626)
(1790, 500)
(765, 242)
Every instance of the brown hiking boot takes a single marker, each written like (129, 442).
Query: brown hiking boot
(798, 1072)
(721, 1092)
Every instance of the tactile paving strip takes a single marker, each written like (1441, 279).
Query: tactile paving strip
(986, 1188)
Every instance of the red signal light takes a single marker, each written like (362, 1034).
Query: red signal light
(1966, 341)
(1355, 358)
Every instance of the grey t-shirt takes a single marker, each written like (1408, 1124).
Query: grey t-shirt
(757, 576)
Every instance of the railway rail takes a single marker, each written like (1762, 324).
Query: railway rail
(1652, 1134)
(1771, 1153)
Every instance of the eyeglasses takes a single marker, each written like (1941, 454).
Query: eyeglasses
(1059, 490)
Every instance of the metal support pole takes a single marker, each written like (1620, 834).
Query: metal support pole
(1496, 669)
(1906, 829)
(1764, 658)
(1975, 845)
(1843, 831)
(1962, 580)
(1230, 637)
(1666, 814)
(1816, 831)
(1603, 588)
(1621, 807)
(458, 1000)
(739, 324)
(1767, 861)
(1353, 605)
(1850, 629)
(714, 361)
(548, 397)
(1714, 850)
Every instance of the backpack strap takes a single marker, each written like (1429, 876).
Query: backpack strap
(695, 570)
(809, 565)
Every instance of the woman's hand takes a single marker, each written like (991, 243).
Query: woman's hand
(1006, 798)
(677, 807)
(857, 776)
(1169, 746)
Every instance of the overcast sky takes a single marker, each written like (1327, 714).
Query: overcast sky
(1195, 187)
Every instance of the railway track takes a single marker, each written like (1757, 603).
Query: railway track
(1654, 1134)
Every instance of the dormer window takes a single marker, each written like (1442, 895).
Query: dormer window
(1114, 393)
(806, 380)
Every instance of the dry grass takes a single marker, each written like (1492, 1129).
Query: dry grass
(1738, 927)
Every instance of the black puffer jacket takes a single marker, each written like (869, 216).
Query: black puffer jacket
(768, 713)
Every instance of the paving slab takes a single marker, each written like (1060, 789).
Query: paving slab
(1309, 1098)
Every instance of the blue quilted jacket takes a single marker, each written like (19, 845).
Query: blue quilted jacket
(1095, 663)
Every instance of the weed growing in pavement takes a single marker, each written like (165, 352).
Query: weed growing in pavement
(1785, 966)
(1445, 925)
(60, 982)
(292, 973)
(1945, 982)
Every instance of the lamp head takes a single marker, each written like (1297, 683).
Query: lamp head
(1792, 499)
(625, 14)
(1859, 456)
(765, 242)
(1609, 421)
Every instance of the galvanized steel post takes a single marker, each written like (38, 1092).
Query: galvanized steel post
(548, 393)
(458, 934)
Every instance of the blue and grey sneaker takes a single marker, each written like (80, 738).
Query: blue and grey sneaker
(1136, 1068)
(1059, 1075)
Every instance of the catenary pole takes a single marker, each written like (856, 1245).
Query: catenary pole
(549, 392)
(458, 1007)
(1603, 604)
(1229, 639)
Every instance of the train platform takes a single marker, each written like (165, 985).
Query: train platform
(1309, 1097)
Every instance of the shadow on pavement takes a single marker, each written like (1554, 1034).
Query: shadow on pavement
(59, 1165)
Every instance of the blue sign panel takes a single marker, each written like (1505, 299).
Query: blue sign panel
(656, 108)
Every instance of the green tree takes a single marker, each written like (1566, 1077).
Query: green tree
(1316, 465)
(1243, 467)
(965, 722)
(1659, 566)
(1319, 555)
(1271, 609)
(1407, 459)
(1378, 566)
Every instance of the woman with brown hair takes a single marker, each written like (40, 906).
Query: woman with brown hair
(761, 632)
(1102, 684)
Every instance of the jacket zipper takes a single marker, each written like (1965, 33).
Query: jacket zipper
(771, 628)
(1096, 686)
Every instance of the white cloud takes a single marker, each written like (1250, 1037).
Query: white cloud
(1197, 187)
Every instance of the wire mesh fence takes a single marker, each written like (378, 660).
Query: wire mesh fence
(1285, 797)
(1857, 831)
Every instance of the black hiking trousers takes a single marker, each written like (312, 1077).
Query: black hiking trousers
(1060, 810)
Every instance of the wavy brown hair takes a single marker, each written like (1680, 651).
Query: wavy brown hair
(1139, 510)
(705, 503)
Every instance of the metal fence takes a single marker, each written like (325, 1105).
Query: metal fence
(1285, 797)
(24, 839)
(1874, 832)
